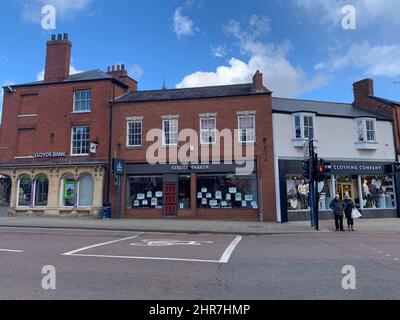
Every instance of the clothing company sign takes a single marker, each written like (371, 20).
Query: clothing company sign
(50, 155)
(354, 168)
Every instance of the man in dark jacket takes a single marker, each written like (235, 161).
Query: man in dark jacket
(338, 206)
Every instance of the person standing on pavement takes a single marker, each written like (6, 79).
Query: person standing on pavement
(349, 206)
(338, 206)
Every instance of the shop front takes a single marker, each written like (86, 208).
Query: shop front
(371, 185)
(215, 191)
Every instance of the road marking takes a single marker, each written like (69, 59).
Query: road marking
(73, 252)
(144, 258)
(228, 252)
(168, 243)
(397, 259)
(8, 250)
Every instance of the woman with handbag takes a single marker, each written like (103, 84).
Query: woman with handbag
(348, 210)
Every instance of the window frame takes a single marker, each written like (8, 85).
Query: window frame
(240, 130)
(302, 117)
(163, 132)
(128, 123)
(72, 142)
(202, 143)
(75, 100)
(365, 130)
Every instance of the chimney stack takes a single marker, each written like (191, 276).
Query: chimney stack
(258, 81)
(118, 71)
(58, 58)
(362, 91)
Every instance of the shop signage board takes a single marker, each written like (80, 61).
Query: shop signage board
(118, 167)
(47, 155)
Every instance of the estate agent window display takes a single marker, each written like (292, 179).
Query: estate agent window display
(225, 191)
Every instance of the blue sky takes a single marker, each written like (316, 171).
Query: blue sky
(299, 45)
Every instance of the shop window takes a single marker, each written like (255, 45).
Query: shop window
(378, 192)
(366, 130)
(144, 192)
(208, 130)
(247, 125)
(298, 196)
(134, 133)
(69, 191)
(227, 191)
(25, 191)
(41, 191)
(83, 101)
(80, 141)
(170, 132)
(304, 126)
(184, 191)
(85, 195)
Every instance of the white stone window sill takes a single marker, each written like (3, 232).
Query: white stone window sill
(366, 145)
(299, 143)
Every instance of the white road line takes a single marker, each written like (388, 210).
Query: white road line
(8, 250)
(397, 259)
(142, 258)
(70, 253)
(228, 252)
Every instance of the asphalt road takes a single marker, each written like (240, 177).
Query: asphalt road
(128, 265)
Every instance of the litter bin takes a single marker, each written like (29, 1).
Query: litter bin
(107, 211)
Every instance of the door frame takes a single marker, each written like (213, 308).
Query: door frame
(170, 179)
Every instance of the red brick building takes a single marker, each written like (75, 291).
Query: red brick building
(189, 124)
(54, 143)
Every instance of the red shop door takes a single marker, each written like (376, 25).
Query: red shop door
(170, 199)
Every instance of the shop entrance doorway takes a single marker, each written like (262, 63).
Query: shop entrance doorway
(170, 196)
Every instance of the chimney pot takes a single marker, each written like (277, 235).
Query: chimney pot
(122, 67)
(53, 37)
(108, 69)
(113, 68)
(65, 36)
(118, 67)
(59, 37)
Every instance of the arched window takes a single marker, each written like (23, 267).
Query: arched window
(85, 191)
(69, 193)
(25, 191)
(41, 191)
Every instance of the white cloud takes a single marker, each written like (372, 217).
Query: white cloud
(218, 51)
(182, 25)
(72, 70)
(380, 60)
(135, 71)
(368, 11)
(65, 9)
(280, 76)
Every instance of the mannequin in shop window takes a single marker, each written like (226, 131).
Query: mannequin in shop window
(374, 194)
(303, 194)
(366, 194)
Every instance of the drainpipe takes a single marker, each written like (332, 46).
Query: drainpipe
(109, 145)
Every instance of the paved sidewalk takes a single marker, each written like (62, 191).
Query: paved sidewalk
(195, 226)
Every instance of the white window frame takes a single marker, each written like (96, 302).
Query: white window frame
(240, 130)
(75, 100)
(203, 143)
(128, 123)
(174, 143)
(364, 130)
(302, 128)
(72, 142)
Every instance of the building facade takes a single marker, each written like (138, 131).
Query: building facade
(54, 143)
(208, 136)
(360, 144)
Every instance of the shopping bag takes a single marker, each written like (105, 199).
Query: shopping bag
(355, 214)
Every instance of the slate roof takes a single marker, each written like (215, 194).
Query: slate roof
(333, 109)
(91, 75)
(191, 93)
